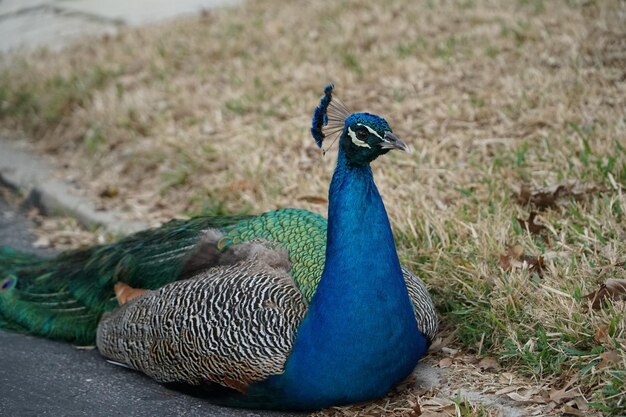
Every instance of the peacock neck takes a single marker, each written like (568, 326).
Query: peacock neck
(360, 250)
(362, 273)
(359, 336)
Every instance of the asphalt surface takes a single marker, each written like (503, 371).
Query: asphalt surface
(39, 377)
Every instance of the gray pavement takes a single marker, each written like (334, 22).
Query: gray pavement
(14, 229)
(53, 23)
(40, 377)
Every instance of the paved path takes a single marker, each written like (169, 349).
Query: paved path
(45, 378)
(52, 23)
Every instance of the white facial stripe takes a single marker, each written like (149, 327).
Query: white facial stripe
(356, 141)
(372, 131)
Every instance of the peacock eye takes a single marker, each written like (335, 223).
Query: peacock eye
(361, 134)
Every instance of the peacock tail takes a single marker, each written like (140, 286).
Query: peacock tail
(63, 297)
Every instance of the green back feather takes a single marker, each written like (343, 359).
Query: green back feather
(301, 232)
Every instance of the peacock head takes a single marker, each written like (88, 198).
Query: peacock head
(363, 137)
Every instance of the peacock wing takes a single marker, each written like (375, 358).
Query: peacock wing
(423, 306)
(230, 325)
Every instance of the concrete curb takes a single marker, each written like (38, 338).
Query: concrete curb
(32, 177)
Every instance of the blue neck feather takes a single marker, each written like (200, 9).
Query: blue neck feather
(359, 337)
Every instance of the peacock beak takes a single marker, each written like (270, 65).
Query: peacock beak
(391, 141)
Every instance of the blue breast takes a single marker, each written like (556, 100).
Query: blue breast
(359, 337)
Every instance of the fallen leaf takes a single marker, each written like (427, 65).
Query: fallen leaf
(437, 407)
(505, 263)
(551, 196)
(441, 343)
(512, 254)
(528, 396)
(541, 198)
(125, 293)
(602, 334)
(530, 225)
(609, 358)
(562, 395)
(449, 350)
(568, 410)
(533, 263)
(489, 363)
(515, 259)
(612, 289)
(313, 199)
(445, 363)
(518, 397)
(616, 288)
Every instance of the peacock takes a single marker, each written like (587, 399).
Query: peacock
(284, 310)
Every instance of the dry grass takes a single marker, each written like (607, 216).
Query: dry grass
(210, 114)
